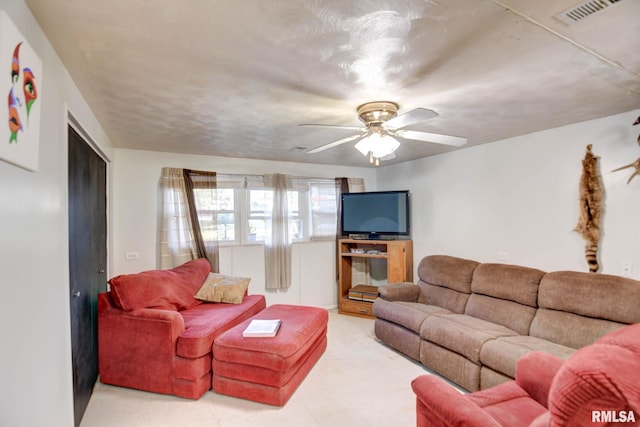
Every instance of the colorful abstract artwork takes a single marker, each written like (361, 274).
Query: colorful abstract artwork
(20, 86)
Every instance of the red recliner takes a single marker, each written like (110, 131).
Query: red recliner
(598, 385)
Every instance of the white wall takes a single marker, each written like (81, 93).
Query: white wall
(35, 361)
(136, 178)
(517, 196)
(520, 196)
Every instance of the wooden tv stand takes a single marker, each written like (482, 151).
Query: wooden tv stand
(399, 257)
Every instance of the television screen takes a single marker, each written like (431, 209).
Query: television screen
(376, 213)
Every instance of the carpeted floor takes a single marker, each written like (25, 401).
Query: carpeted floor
(358, 381)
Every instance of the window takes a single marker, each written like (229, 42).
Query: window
(217, 213)
(239, 209)
(261, 204)
(324, 204)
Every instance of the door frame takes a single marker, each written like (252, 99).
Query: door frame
(75, 124)
(71, 121)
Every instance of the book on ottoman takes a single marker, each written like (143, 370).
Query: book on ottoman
(262, 328)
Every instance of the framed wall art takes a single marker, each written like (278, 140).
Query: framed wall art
(20, 86)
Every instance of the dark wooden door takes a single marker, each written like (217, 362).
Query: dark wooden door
(87, 263)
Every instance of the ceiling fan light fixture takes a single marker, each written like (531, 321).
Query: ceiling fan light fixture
(385, 146)
(377, 145)
(363, 146)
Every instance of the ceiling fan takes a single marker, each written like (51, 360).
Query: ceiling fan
(383, 125)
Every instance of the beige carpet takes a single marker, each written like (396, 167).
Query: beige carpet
(358, 381)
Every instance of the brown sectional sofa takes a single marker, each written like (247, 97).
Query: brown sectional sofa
(470, 322)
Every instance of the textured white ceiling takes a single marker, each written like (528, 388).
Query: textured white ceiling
(236, 77)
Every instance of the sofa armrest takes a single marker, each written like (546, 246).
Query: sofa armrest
(169, 322)
(535, 372)
(439, 404)
(159, 314)
(137, 348)
(403, 291)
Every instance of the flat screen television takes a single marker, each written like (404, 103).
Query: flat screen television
(376, 214)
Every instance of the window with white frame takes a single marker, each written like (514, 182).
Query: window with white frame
(218, 214)
(323, 208)
(237, 211)
(260, 204)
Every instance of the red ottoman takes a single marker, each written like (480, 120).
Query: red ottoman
(269, 370)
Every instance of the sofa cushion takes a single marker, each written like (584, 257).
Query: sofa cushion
(502, 353)
(447, 271)
(223, 288)
(508, 404)
(501, 311)
(166, 289)
(409, 315)
(453, 301)
(508, 282)
(191, 369)
(205, 322)
(594, 295)
(462, 334)
(445, 281)
(569, 329)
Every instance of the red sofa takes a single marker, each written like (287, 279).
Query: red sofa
(153, 335)
(598, 385)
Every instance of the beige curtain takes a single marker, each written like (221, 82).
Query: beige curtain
(176, 242)
(204, 184)
(181, 228)
(356, 185)
(278, 242)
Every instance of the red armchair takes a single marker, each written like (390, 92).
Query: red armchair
(597, 385)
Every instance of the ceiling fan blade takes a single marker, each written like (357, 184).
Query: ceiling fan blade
(409, 118)
(335, 143)
(432, 137)
(360, 128)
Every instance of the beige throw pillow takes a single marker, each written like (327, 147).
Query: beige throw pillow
(223, 288)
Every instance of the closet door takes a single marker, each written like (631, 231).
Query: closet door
(87, 263)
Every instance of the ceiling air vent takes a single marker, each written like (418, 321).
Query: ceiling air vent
(299, 149)
(584, 10)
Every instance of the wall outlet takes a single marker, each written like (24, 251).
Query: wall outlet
(132, 255)
(502, 256)
(627, 268)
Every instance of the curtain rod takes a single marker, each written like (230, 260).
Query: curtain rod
(244, 175)
(262, 176)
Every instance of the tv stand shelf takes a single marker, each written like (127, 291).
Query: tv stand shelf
(365, 255)
(399, 258)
